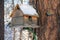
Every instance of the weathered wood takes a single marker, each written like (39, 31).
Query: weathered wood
(19, 18)
(14, 34)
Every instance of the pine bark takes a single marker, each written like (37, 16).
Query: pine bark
(48, 24)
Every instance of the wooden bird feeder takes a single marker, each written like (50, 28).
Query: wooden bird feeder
(23, 20)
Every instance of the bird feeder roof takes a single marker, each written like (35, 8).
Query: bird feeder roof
(26, 9)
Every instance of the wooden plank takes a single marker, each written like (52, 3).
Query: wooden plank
(25, 26)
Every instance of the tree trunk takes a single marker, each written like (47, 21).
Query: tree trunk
(48, 24)
(58, 15)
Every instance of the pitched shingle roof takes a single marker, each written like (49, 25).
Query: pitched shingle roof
(27, 9)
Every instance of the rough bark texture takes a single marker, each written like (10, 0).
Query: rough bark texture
(1, 19)
(48, 24)
(58, 11)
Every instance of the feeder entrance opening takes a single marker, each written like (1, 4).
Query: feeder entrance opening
(30, 18)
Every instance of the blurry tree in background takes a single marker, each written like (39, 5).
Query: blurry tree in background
(48, 23)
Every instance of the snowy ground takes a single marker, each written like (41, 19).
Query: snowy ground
(7, 33)
(7, 30)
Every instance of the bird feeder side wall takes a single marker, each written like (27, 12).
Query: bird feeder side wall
(26, 19)
(34, 19)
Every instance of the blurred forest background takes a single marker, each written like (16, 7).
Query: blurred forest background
(49, 24)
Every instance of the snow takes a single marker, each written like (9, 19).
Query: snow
(7, 30)
(19, 2)
(7, 33)
(28, 9)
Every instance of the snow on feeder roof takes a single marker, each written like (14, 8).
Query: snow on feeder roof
(26, 9)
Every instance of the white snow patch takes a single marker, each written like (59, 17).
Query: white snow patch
(28, 9)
